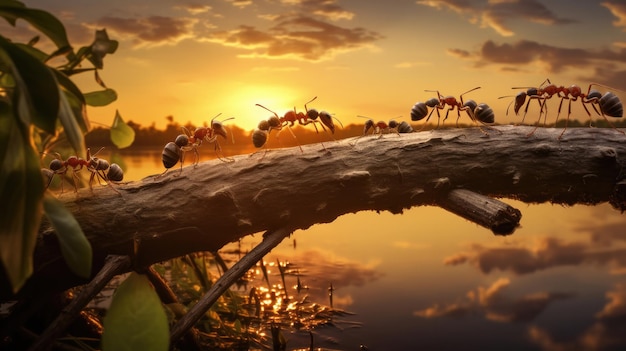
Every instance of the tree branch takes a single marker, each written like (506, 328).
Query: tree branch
(216, 203)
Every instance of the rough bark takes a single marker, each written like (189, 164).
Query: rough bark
(205, 207)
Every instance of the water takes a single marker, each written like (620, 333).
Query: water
(429, 280)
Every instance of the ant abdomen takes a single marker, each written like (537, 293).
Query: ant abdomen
(611, 105)
(259, 137)
(484, 113)
(115, 173)
(403, 127)
(419, 111)
(171, 154)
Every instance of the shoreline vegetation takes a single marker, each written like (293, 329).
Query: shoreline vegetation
(149, 137)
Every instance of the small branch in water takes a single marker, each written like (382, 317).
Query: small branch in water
(485, 211)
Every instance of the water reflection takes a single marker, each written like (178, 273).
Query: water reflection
(428, 280)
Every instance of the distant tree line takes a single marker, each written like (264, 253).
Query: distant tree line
(152, 138)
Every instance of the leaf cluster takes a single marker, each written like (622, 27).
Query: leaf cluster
(40, 106)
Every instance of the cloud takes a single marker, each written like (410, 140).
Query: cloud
(618, 9)
(240, 3)
(326, 9)
(493, 303)
(196, 9)
(150, 31)
(497, 14)
(514, 56)
(297, 37)
(458, 6)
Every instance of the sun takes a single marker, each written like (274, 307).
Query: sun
(242, 103)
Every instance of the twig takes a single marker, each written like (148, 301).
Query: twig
(270, 240)
(168, 296)
(485, 211)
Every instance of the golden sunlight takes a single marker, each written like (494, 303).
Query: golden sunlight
(276, 98)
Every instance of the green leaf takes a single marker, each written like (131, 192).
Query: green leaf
(41, 20)
(21, 191)
(136, 319)
(71, 127)
(76, 99)
(100, 98)
(37, 89)
(75, 247)
(122, 135)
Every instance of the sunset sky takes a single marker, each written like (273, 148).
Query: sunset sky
(194, 59)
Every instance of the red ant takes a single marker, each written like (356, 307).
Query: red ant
(477, 112)
(610, 105)
(98, 167)
(381, 127)
(175, 151)
(325, 118)
(261, 134)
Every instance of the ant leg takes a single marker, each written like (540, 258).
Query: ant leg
(182, 159)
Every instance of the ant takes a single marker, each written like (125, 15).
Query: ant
(477, 112)
(610, 105)
(261, 134)
(310, 117)
(381, 127)
(98, 167)
(175, 151)
(325, 118)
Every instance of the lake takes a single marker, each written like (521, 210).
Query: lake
(429, 280)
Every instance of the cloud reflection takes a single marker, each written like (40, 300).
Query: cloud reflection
(543, 254)
(606, 333)
(317, 270)
(493, 303)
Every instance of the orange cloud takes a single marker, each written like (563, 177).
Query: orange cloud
(150, 31)
(496, 14)
(297, 36)
(618, 9)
